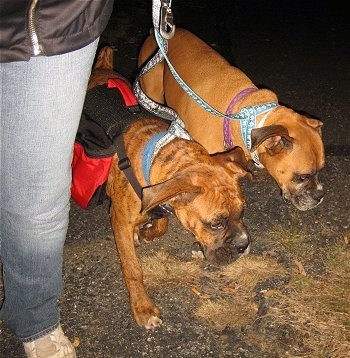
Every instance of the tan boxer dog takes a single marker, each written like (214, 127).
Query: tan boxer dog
(188, 180)
(288, 144)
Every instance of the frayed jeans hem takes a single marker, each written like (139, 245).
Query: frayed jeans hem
(40, 334)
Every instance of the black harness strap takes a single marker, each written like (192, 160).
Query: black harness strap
(125, 165)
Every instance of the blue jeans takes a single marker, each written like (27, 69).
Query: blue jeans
(41, 103)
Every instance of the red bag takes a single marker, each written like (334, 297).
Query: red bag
(89, 177)
(106, 113)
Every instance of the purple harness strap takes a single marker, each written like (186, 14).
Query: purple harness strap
(226, 127)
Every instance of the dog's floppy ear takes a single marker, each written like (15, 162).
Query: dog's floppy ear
(274, 138)
(314, 123)
(236, 161)
(179, 187)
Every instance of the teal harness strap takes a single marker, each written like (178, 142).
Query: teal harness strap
(247, 119)
(148, 153)
(157, 142)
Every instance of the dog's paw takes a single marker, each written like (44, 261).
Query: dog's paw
(154, 228)
(136, 240)
(153, 322)
(146, 315)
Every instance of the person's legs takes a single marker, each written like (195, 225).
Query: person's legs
(40, 110)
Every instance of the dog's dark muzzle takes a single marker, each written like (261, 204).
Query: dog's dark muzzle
(230, 249)
(306, 198)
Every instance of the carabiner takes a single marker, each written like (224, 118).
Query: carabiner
(166, 27)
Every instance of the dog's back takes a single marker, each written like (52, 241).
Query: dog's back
(294, 137)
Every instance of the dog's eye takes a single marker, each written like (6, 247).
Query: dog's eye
(218, 225)
(302, 178)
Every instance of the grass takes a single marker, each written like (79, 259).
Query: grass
(304, 315)
(161, 269)
(318, 309)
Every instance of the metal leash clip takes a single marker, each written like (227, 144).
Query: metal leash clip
(166, 27)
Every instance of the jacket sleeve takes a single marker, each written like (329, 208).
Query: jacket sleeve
(14, 42)
(61, 26)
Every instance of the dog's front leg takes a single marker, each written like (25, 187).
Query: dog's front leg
(145, 312)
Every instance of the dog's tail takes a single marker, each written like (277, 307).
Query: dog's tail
(105, 58)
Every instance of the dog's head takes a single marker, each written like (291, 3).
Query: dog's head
(208, 201)
(293, 153)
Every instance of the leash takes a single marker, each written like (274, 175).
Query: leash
(162, 20)
(164, 30)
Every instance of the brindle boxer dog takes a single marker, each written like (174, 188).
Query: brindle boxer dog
(191, 182)
(288, 144)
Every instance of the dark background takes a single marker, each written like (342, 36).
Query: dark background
(299, 49)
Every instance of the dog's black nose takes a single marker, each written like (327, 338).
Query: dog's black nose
(241, 242)
(242, 248)
(318, 195)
